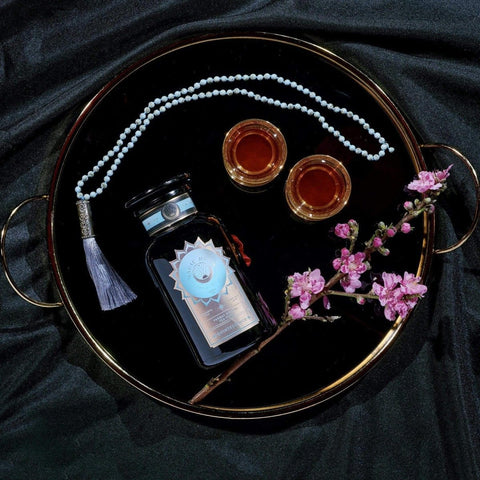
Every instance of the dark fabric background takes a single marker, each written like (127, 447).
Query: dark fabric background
(65, 415)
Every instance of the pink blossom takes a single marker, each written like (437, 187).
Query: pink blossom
(307, 282)
(387, 294)
(342, 230)
(317, 282)
(410, 285)
(442, 175)
(299, 285)
(296, 312)
(350, 283)
(398, 295)
(408, 205)
(326, 303)
(352, 265)
(305, 298)
(391, 232)
(337, 262)
(377, 242)
(426, 181)
(429, 180)
(303, 285)
(406, 227)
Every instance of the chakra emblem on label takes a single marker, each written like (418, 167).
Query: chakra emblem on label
(201, 272)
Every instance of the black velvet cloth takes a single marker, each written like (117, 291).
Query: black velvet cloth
(65, 415)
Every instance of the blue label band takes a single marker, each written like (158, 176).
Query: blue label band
(168, 213)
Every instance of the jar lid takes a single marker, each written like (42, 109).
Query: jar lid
(168, 189)
(254, 152)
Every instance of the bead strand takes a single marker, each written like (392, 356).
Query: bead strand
(185, 95)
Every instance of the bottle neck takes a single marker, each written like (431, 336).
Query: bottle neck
(164, 215)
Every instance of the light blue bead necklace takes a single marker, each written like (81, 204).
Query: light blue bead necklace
(131, 134)
(112, 291)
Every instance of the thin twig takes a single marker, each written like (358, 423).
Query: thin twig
(241, 360)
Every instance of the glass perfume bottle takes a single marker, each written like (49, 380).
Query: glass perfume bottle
(197, 267)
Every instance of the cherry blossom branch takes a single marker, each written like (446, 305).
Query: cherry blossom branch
(398, 295)
(338, 293)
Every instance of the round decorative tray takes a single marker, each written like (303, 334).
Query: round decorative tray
(310, 361)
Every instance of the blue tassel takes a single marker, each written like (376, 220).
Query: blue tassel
(112, 291)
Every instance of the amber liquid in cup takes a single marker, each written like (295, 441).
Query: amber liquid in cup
(317, 187)
(254, 152)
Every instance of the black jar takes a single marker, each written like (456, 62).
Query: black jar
(198, 268)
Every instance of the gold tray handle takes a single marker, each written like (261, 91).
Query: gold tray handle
(3, 236)
(474, 176)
